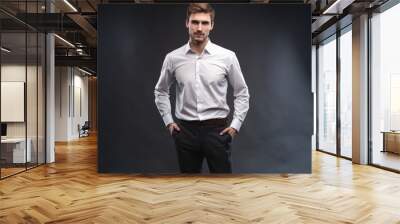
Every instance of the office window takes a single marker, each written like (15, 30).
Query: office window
(327, 96)
(385, 88)
(346, 93)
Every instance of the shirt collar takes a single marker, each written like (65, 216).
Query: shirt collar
(208, 48)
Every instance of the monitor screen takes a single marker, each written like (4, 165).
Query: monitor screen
(3, 129)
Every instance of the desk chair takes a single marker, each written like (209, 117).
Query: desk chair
(84, 130)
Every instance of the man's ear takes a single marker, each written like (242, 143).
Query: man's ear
(212, 25)
(187, 23)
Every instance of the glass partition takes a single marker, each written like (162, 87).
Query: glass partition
(327, 96)
(14, 153)
(22, 88)
(41, 91)
(32, 95)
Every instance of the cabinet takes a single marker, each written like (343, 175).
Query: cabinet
(391, 141)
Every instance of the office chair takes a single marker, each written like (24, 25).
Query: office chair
(84, 130)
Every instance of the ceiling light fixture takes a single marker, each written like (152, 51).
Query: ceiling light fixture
(79, 51)
(5, 50)
(329, 9)
(64, 40)
(86, 72)
(70, 5)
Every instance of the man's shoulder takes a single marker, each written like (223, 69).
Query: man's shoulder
(177, 52)
(222, 50)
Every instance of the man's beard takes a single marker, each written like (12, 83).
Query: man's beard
(196, 38)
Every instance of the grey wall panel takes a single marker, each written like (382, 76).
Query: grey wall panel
(273, 45)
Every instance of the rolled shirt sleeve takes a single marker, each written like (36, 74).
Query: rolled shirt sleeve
(240, 93)
(161, 92)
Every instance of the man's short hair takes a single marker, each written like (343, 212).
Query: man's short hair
(200, 8)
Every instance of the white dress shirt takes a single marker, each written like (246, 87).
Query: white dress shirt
(202, 85)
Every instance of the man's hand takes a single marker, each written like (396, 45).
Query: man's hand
(231, 131)
(173, 126)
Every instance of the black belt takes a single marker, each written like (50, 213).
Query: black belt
(215, 121)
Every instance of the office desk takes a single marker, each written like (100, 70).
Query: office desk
(13, 150)
(391, 141)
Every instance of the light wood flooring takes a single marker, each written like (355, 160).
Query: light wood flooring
(71, 191)
(387, 159)
(5, 172)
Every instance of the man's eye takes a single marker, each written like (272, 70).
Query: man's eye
(205, 23)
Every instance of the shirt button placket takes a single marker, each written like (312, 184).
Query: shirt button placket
(197, 89)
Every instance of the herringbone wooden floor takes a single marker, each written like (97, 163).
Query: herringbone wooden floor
(71, 191)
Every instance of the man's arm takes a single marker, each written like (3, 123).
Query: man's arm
(240, 93)
(161, 92)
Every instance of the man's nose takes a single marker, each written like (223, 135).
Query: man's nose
(200, 27)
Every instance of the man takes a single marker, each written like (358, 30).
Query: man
(202, 70)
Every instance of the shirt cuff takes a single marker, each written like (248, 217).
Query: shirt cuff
(167, 118)
(236, 124)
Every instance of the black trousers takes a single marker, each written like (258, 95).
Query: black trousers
(198, 140)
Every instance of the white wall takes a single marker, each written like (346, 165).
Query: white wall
(80, 112)
(16, 73)
(12, 73)
(33, 127)
(62, 81)
(71, 102)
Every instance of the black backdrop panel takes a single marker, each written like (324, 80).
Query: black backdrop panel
(273, 45)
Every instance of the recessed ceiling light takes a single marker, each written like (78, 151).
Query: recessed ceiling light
(86, 72)
(329, 9)
(5, 50)
(70, 5)
(64, 40)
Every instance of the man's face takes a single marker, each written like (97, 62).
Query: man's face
(199, 26)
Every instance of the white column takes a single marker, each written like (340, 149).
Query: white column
(360, 90)
(50, 92)
(50, 100)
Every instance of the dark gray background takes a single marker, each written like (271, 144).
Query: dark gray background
(273, 45)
